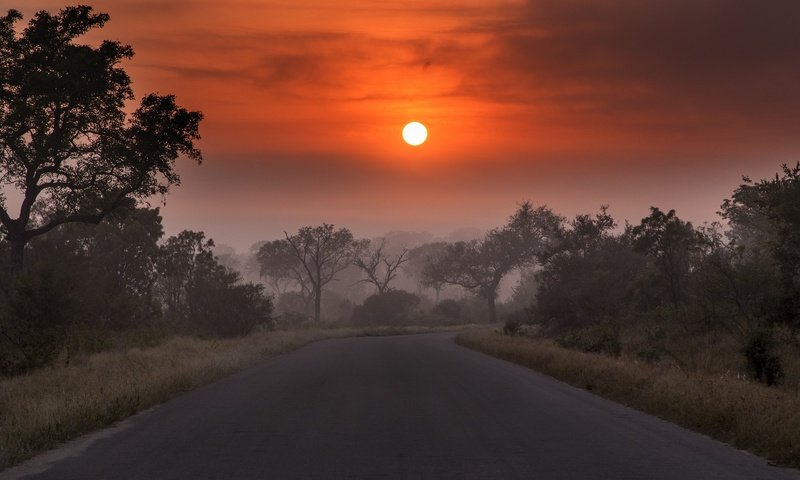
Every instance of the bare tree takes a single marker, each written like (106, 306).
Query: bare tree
(66, 142)
(380, 267)
(323, 252)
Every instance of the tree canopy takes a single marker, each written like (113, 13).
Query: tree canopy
(66, 142)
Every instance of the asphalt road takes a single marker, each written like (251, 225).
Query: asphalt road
(415, 406)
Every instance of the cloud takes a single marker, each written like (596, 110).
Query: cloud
(661, 58)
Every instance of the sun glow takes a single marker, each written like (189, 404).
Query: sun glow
(415, 134)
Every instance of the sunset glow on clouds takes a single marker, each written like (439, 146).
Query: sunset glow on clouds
(570, 103)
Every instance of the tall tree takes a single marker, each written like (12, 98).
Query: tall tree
(323, 252)
(66, 142)
(672, 243)
(480, 265)
(765, 217)
(379, 266)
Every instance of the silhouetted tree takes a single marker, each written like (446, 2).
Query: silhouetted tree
(480, 265)
(66, 142)
(111, 266)
(765, 216)
(671, 243)
(323, 252)
(279, 265)
(590, 280)
(418, 259)
(180, 257)
(379, 266)
(203, 297)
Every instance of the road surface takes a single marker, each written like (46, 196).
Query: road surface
(415, 406)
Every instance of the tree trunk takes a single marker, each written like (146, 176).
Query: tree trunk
(492, 310)
(317, 303)
(17, 255)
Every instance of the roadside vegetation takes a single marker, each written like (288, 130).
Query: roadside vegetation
(699, 325)
(748, 415)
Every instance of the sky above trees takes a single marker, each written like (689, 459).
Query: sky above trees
(573, 104)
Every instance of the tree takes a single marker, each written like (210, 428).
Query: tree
(180, 257)
(66, 142)
(418, 259)
(480, 265)
(111, 266)
(203, 297)
(671, 243)
(765, 217)
(380, 267)
(590, 280)
(279, 265)
(323, 252)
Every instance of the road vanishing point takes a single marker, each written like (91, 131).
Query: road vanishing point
(412, 406)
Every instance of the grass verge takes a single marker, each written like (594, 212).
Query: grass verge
(59, 403)
(750, 416)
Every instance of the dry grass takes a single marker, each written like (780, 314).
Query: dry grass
(52, 405)
(750, 416)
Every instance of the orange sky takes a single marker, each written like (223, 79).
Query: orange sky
(571, 103)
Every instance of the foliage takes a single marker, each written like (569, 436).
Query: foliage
(394, 307)
(513, 326)
(110, 266)
(34, 320)
(670, 242)
(765, 215)
(480, 265)
(66, 142)
(418, 259)
(763, 361)
(603, 338)
(590, 279)
(448, 308)
(203, 297)
(279, 265)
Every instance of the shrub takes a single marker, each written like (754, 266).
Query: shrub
(762, 360)
(603, 339)
(512, 327)
(34, 321)
(448, 308)
(394, 307)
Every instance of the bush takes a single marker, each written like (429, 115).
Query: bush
(448, 308)
(515, 322)
(603, 339)
(512, 327)
(762, 360)
(33, 327)
(394, 307)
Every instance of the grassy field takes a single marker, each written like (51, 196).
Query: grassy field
(55, 404)
(762, 420)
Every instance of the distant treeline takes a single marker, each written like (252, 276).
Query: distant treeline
(582, 280)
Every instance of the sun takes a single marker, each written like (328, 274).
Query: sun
(415, 134)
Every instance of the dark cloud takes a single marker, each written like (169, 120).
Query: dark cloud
(706, 57)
